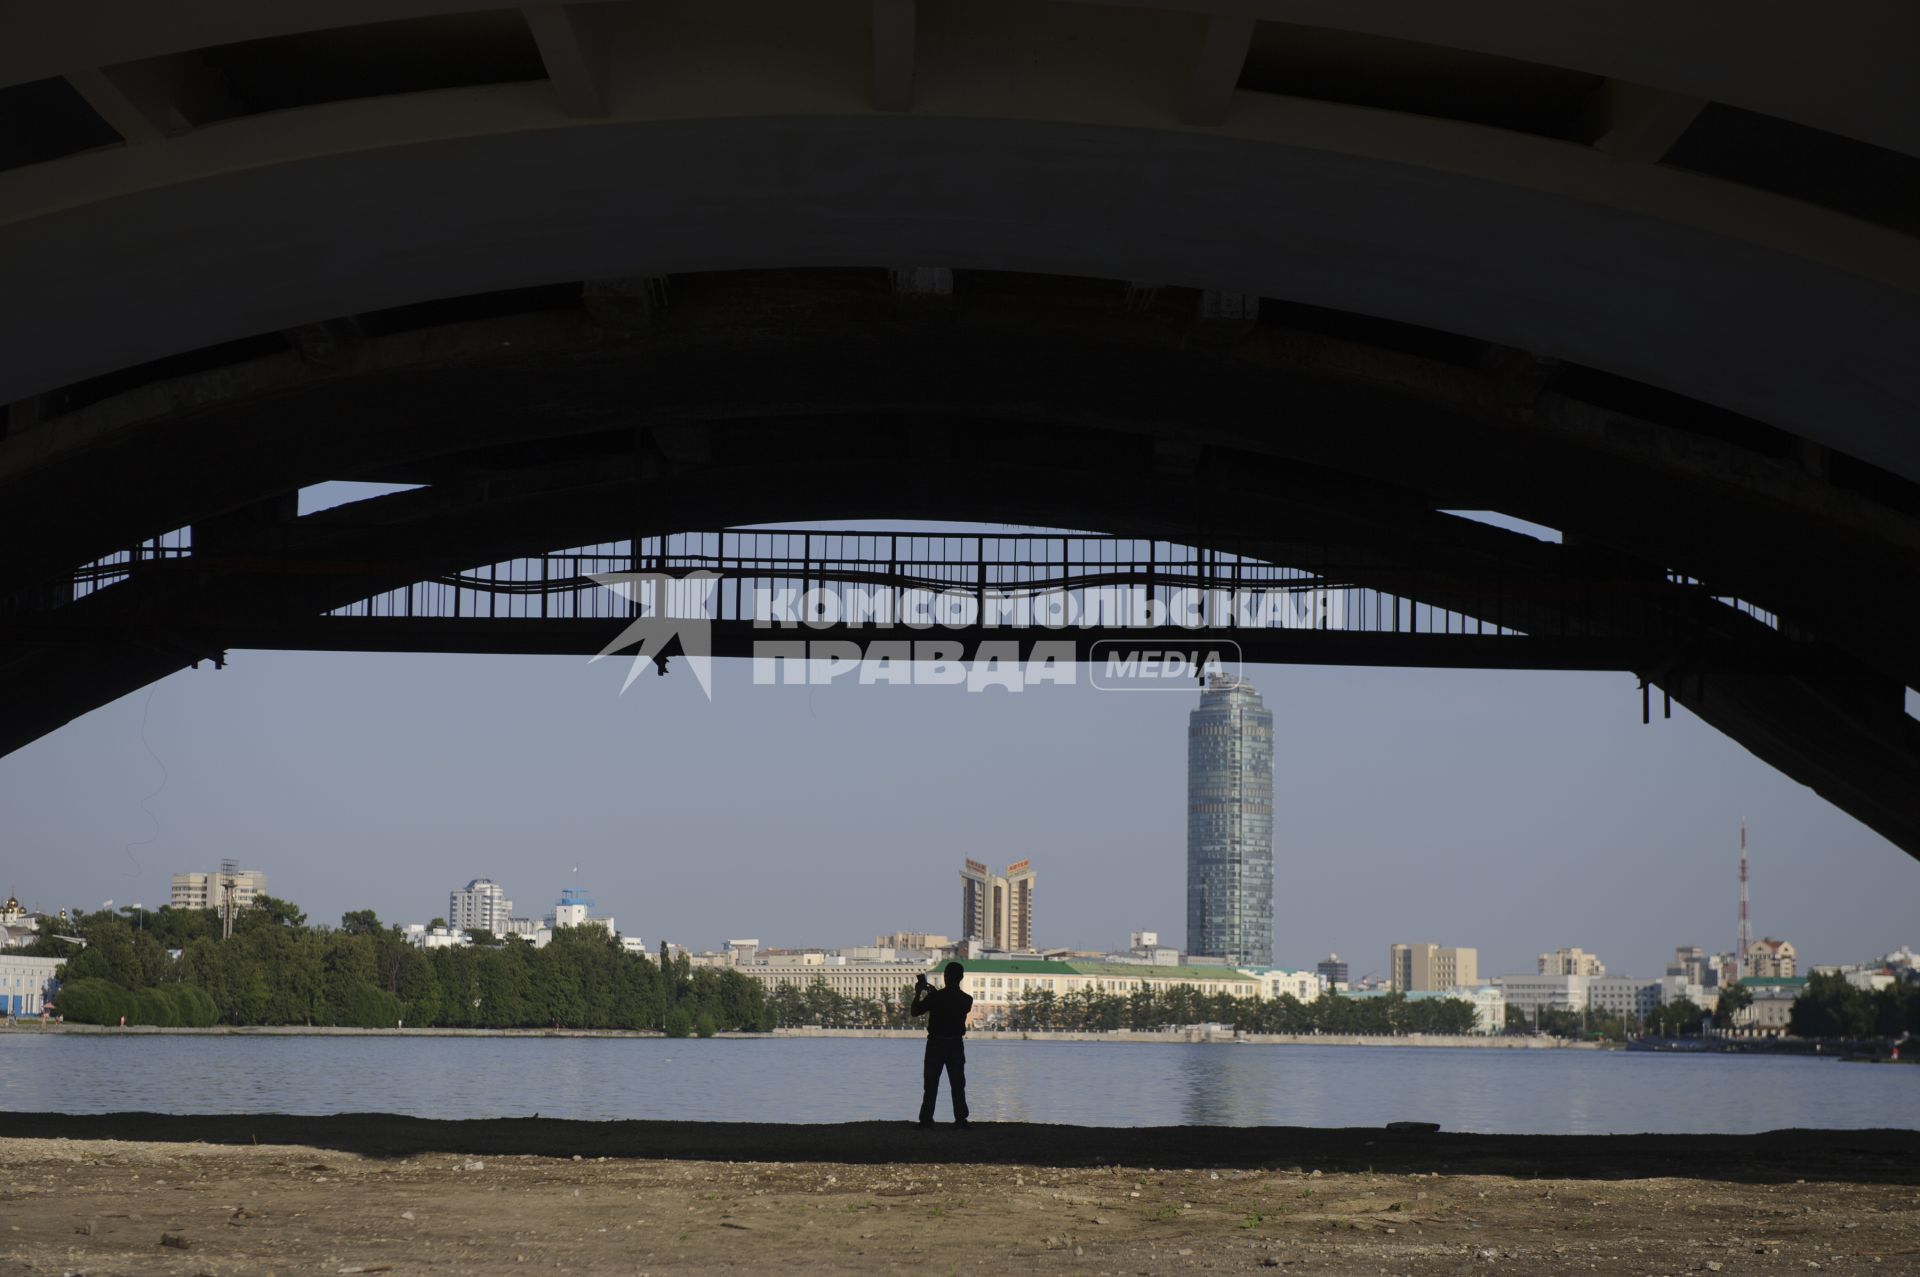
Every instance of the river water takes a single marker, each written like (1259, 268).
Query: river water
(842, 1079)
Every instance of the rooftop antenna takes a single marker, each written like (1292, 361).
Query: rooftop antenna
(1746, 923)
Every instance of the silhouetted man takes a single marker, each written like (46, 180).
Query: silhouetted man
(946, 1011)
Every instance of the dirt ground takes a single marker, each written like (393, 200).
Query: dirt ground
(95, 1205)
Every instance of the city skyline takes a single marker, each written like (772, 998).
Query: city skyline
(1095, 782)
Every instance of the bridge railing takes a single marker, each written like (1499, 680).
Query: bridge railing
(785, 577)
(789, 578)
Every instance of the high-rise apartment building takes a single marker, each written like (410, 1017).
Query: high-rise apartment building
(1430, 966)
(481, 905)
(208, 891)
(976, 901)
(996, 910)
(1230, 824)
(1571, 962)
(1019, 887)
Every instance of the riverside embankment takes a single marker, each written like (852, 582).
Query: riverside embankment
(1171, 1037)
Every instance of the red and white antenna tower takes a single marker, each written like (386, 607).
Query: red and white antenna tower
(1746, 923)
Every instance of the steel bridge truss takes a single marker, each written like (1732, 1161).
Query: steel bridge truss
(1273, 602)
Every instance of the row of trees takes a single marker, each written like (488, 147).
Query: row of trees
(1679, 1018)
(1092, 1010)
(279, 970)
(1829, 1007)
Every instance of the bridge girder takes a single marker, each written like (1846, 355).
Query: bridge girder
(811, 367)
(1823, 721)
(1661, 294)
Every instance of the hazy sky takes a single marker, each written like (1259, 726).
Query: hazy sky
(1514, 812)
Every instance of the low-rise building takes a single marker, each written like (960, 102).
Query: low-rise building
(1532, 994)
(1489, 1002)
(27, 984)
(575, 909)
(1304, 986)
(1772, 1007)
(868, 981)
(421, 936)
(997, 984)
(924, 941)
(1627, 996)
(533, 931)
(1145, 946)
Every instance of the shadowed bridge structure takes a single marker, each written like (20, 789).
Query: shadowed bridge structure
(1277, 282)
(756, 587)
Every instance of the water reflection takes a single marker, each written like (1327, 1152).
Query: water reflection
(834, 1080)
(1224, 1085)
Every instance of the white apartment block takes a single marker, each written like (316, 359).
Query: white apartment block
(481, 905)
(1532, 994)
(1624, 995)
(1305, 986)
(207, 891)
(536, 933)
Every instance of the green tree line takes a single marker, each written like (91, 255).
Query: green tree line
(277, 969)
(1829, 1007)
(1094, 1010)
(1680, 1018)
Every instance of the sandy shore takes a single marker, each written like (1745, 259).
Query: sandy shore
(364, 1194)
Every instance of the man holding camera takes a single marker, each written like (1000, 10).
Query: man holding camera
(946, 1011)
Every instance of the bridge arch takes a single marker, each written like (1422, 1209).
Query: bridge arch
(1287, 270)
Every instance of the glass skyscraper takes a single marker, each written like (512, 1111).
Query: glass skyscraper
(1230, 824)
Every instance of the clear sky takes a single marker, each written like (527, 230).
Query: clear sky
(1514, 812)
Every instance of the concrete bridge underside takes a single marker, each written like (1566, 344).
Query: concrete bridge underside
(1279, 271)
